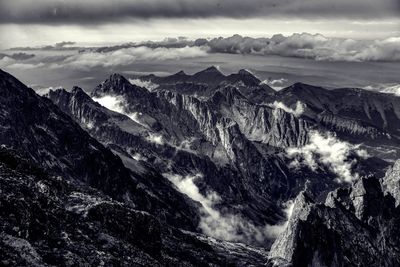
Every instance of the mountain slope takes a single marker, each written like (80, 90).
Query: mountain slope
(355, 115)
(40, 130)
(246, 167)
(91, 216)
(357, 226)
(48, 221)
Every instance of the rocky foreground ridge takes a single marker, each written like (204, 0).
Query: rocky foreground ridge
(358, 225)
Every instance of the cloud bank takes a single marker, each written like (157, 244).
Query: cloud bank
(102, 11)
(312, 46)
(327, 150)
(225, 226)
(299, 45)
(126, 56)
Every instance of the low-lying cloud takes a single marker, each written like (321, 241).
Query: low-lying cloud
(387, 88)
(312, 46)
(18, 61)
(276, 84)
(327, 150)
(299, 45)
(126, 56)
(297, 111)
(17, 56)
(65, 45)
(145, 84)
(225, 226)
(117, 104)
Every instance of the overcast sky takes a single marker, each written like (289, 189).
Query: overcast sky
(27, 22)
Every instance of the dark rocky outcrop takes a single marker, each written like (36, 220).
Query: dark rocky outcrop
(391, 182)
(357, 226)
(39, 130)
(46, 220)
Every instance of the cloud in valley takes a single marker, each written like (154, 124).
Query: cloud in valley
(297, 111)
(117, 104)
(225, 226)
(276, 84)
(327, 150)
(146, 84)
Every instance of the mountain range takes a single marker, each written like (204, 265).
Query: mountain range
(198, 170)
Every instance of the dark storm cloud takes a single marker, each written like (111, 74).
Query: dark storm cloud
(102, 11)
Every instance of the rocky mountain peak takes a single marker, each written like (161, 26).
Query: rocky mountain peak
(11, 85)
(247, 78)
(211, 69)
(76, 90)
(116, 77)
(118, 84)
(181, 73)
(80, 94)
(391, 182)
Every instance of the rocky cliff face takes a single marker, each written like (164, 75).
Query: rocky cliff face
(46, 220)
(44, 134)
(138, 176)
(51, 217)
(391, 182)
(356, 115)
(357, 226)
(249, 162)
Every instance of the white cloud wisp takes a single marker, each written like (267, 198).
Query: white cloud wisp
(328, 150)
(225, 226)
